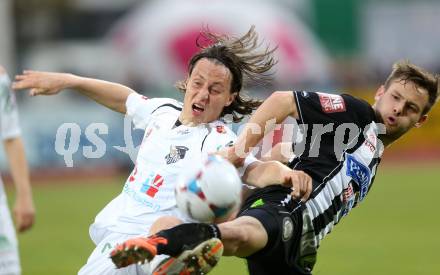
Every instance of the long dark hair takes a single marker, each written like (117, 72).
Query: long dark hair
(245, 63)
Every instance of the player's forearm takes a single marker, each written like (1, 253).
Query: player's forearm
(262, 174)
(18, 166)
(273, 111)
(282, 152)
(109, 94)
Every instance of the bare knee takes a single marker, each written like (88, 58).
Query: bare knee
(243, 236)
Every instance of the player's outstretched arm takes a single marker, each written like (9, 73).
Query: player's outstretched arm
(274, 110)
(262, 174)
(111, 95)
(24, 210)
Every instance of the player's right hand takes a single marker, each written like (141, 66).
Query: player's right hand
(24, 212)
(41, 83)
(301, 184)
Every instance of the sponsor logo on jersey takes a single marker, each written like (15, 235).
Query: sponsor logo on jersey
(360, 174)
(370, 142)
(331, 103)
(176, 153)
(347, 193)
(140, 197)
(348, 198)
(152, 184)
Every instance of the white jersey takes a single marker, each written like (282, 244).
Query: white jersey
(167, 149)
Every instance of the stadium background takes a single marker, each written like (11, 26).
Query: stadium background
(332, 46)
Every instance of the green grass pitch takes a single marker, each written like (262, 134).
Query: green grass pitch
(396, 230)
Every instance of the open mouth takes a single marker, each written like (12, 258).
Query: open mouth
(197, 108)
(391, 120)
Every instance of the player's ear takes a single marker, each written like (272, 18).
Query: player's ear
(380, 91)
(421, 121)
(231, 98)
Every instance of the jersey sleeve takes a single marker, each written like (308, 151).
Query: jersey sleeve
(140, 108)
(8, 110)
(323, 108)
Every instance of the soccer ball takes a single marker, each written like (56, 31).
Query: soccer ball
(210, 192)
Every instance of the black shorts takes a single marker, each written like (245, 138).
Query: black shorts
(282, 220)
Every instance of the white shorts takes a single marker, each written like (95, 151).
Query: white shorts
(106, 239)
(9, 260)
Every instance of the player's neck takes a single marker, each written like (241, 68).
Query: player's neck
(188, 122)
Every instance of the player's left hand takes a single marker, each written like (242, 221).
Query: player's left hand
(301, 184)
(24, 212)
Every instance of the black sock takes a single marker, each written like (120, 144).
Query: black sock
(186, 236)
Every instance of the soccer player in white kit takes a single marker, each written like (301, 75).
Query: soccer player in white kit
(24, 207)
(176, 135)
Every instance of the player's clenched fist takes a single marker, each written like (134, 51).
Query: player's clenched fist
(301, 184)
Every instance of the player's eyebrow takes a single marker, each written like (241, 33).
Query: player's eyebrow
(199, 76)
(410, 103)
(414, 105)
(217, 83)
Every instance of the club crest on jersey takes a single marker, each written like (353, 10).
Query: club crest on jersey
(331, 103)
(152, 184)
(220, 129)
(360, 174)
(176, 153)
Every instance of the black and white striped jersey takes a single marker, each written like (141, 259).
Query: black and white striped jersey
(340, 150)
